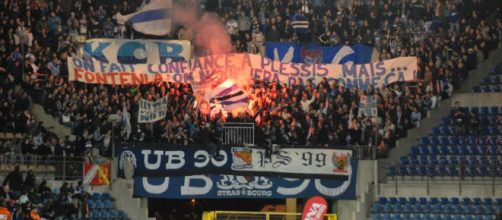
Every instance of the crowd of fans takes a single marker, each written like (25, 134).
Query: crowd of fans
(449, 37)
(26, 199)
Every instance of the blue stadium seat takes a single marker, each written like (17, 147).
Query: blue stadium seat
(485, 81)
(476, 89)
(392, 171)
(444, 130)
(442, 171)
(484, 110)
(472, 150)
(403, 170)
(414, 150)
(452, 171)
(435, 140)
(445, 140)
(494, 110)
(488, 201)
(435, 131)
(424, 141)
(454, 150)
(445, 121)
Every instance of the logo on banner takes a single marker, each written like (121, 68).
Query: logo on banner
(242, 158)
(315, 209)
(231, 185)
(341, 162)
(127, 157)
(311, 55)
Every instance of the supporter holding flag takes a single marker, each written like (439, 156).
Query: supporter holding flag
(300, 25)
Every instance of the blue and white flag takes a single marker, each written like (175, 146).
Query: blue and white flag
(314, 53)
(152, 18)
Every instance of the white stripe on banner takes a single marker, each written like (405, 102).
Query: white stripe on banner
(91, 173)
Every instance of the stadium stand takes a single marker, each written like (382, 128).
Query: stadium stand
(491, 83)
(450, 38)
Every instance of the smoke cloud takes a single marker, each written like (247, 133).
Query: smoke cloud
(210, 34)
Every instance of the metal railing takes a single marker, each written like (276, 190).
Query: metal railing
(238, 133)
(46, 167)
(238, 215)
(365, 152)
(465, 174)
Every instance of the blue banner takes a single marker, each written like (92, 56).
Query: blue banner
(286, 162)
(313, 53)
(255, 187)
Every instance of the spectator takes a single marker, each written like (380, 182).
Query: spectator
(15, 181)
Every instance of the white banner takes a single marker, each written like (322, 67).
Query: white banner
(152, 111)
(122, 51)
(293, 160)
(243, 68)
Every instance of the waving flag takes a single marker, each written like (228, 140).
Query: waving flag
(152, 18)
(229, 95)
(218, 95)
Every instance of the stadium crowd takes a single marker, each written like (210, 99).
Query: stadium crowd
(27, 199)
(448, 37)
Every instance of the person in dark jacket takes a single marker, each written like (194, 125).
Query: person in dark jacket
(15, 180)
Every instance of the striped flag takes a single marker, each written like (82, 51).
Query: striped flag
(96, 174)
(152, 18)
(227, 94)
(300, 24)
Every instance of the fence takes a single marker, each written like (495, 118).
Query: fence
(47, 167)
(238, 133)
(237, 215)
(365, 152)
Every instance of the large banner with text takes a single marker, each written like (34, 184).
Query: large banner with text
(314, 53)
(255, 187)
(287, 162)
(136, 51)
(243, 67)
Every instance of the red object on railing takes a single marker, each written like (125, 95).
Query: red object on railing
(315, 209)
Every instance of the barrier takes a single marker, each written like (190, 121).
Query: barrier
(484, 175)
(238, 133)
(50, 167)
(238, 215)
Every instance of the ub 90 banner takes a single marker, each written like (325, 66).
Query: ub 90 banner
(287, 162)
(243, 67)
(136, 51)
(256, 187)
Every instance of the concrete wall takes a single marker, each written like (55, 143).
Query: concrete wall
(478, 99)
(359, 208)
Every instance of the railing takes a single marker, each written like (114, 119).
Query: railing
(47, 167)
(365, 152)
(238, 215)
(238, 133)
(465, 174)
